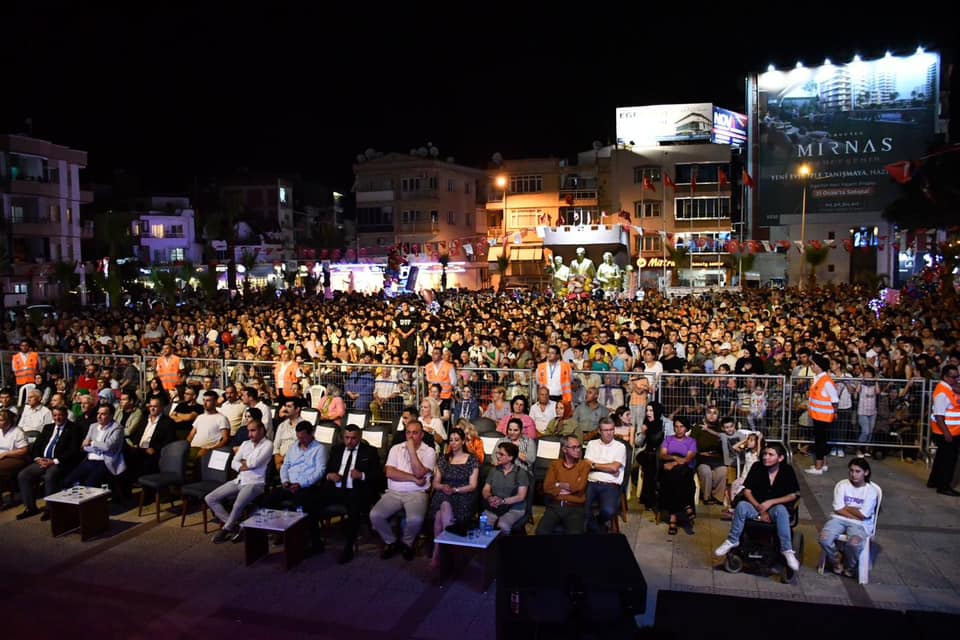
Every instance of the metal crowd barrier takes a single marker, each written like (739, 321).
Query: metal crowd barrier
(900, 408)
(773, 405)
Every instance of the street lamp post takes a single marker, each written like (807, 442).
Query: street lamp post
(502, 183)
(804, 172)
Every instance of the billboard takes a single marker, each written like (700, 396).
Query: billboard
(729, 127)
(665, 123)
(847, 122)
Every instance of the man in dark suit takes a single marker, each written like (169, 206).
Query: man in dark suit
(354, 480)
(142, 451)
(55, 453)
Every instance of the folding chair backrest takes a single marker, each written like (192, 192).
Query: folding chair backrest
(359, 418)
(217, 475)
(484, 425)
(310, 415)
(173, 457)
(625, 485)
(376, 437)
(548, 450)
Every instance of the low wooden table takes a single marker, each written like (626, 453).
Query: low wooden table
(481, 545)
(289, 524)
(86, 509)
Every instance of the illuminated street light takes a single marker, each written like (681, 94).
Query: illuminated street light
(502, 183)
(804, 172)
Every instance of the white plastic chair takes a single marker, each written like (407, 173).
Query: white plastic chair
(863, 563)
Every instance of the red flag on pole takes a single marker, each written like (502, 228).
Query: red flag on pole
(693, 182)
(747, 180)
(648, 184)
(900, 171)
(667, 180)
(722, 176)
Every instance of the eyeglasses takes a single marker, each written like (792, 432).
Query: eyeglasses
(572, 446)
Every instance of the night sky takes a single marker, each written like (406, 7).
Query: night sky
(177, 94)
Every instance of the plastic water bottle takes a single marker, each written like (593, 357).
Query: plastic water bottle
(484, 524)
(300, 510)
(76, 489)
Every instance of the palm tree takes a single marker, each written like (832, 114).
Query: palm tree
(249, 261)
(208, 283)
(222, 225)
(680, 256)
(66, 274)
(444, 260)
(815, 256)
(165, 285)
(113, 237)
(503, 262)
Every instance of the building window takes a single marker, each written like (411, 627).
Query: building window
(647, 209)
(831, 235)
(409, 185)
(54, 213)
(523, 218)
(176, 231)
(702, 208)
(434, 217)
(20, 287)
(411, 217)
(433, 183)
(157, 231)
(707, 173)
(16, 213)
(451, 217)
(469, 220)
(177, 255)
(451, 185)
(69, 213)
(831, 268)
(652, 243)
(159, 256)
(639, 173)
(526, 184)
(284, 195)
(467, 187)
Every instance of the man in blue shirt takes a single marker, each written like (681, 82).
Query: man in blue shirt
(359, 386)
(303, 467)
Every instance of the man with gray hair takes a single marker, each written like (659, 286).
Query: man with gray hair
(34, 415)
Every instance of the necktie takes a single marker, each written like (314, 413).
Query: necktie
(348, 484)
(48, 453)
(609, 395)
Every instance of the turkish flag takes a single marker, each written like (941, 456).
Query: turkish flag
(693, 182)
(900, 171)
(667, 180)
(747, 180)
(722, 177)
(648, 184)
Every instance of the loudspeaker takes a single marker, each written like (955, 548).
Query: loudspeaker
(575, 586)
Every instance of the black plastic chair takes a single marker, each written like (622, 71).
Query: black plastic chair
(210, 479)
(173, 470)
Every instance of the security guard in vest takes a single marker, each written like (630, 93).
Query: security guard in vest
(945, 429)
(822, 401)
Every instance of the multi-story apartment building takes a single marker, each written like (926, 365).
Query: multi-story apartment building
(40, 200)
(265, 204)
(428, 207)
(165, 229)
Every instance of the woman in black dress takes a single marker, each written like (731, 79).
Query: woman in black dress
(455, 483)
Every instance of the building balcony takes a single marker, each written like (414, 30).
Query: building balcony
(586, 234)
(35, 227)
(422, 194)
(31, 187)
(418, 227)
(383, 195)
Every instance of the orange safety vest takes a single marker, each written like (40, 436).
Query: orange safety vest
(441, 377)
(566, 375)
(820, 406)
(290, 377)
(168, 370)
(26, 367)
(951, 416)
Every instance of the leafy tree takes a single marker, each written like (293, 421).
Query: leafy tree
(66, 276)
(113, 238)
(681, 259)
(249, 261)
(503, 263)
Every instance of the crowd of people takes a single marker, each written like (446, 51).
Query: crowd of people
(587, 374)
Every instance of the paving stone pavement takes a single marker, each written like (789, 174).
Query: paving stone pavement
(143, 579)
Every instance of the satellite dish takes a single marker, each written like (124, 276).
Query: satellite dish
(434, 152)
(370, 153)
(497, 158)
(596, 145)
(422, 152)
(361, 157)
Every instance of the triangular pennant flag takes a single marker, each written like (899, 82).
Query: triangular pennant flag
(800, 246)
(722, 177)
(667, 180)
(747, 180)
(767, 246)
